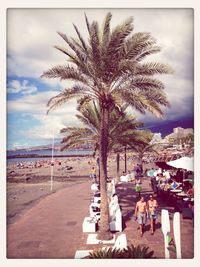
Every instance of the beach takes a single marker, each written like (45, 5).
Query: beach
(27, 185)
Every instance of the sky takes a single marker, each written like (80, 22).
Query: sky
(31, 35)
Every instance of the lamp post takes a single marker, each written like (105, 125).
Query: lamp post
(125, 167)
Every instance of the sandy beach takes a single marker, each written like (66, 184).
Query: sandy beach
(27, 185)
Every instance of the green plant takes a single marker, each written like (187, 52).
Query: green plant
(171, 244)
(105, 253)
(138, 252)
(131, 252)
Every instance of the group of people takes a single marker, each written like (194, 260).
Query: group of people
(144, 210)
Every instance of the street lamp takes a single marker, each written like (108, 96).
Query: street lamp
(125, 167)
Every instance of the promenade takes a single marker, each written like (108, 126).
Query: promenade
(53, 227)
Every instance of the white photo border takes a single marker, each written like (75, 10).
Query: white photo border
(100, 4)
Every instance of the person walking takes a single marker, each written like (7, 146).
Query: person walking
(93, 175)
(138, 189)
(151, 172)
(141, 214)
(152, 206)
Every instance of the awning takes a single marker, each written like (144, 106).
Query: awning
(183, 163)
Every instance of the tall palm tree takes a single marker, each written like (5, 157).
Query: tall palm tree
(108, 69)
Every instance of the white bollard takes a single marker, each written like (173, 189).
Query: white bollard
(177, 234)
(165, 230)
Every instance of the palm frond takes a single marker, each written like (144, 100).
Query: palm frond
(136, 44)
(84, 45)
(65, 72)
(72, 56)
(65, 95)
(153, 107)
(135, 100)
(75, 49)
(118, 36)
(143, 83)
(152, 68)
(83, 101)
(95, 48)
(106, 31)
(87, 23)
(148, 51)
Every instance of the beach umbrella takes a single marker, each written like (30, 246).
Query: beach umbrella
(183, 163)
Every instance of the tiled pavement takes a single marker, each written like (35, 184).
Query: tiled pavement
(53, 228)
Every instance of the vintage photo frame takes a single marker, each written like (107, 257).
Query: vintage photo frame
(103, 4)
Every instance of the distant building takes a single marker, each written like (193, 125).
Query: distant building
(157, 138)
(178, 133)
(181, 132)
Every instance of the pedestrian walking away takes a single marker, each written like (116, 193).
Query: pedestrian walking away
(152, 206)
(141, 214)
(138, 189)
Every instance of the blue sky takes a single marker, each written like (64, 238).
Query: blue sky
(31, 34)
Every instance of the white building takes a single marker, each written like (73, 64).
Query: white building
(157, 138)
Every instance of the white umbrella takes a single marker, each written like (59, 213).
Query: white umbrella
(183, 163)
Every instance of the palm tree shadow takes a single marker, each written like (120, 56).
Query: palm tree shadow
(126, 217)
(157, 225)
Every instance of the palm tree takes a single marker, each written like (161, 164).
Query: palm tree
(146, 148)
(122, 130)
(108, 69)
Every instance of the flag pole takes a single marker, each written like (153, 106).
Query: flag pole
(52, 162)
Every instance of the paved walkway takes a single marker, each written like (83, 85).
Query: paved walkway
(155, 242)
(53, 228)
(128, 199)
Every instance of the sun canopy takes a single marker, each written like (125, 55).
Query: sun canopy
(183, 163)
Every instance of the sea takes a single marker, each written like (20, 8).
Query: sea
(36, 155)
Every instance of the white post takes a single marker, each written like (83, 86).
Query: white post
(165, 230)
(177, 235)
(52, 162)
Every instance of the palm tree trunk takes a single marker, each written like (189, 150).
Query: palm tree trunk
(118, 167)
(104, 231)
(141, 162)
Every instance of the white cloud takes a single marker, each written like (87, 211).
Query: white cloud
(32, 34)
(17, 145)
(36, 107)
(33, 52)
(37, 104)
(51, 125)
(15, 86)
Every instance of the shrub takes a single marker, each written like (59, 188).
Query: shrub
(105, 253)
(131, 252)
(138, 252)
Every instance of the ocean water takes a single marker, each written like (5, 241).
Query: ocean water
(47, 152)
